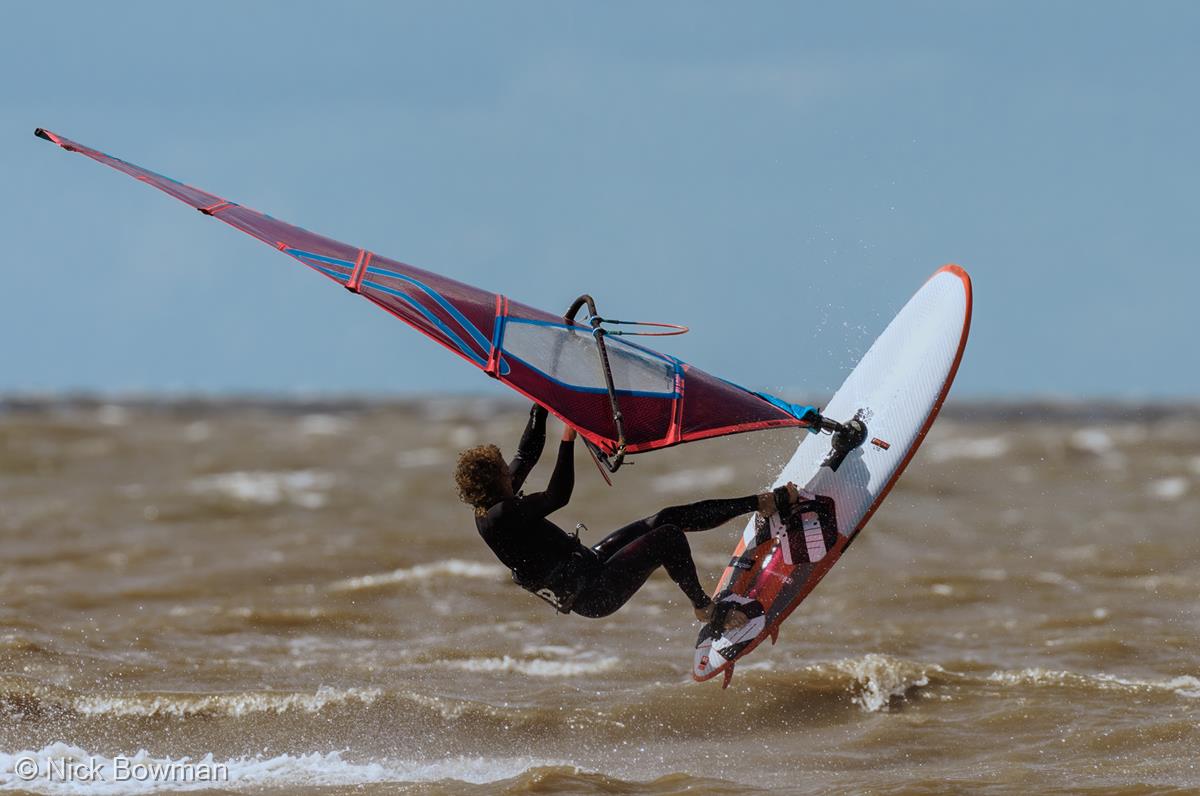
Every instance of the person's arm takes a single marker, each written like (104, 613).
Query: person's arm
(529, 449)
(562, 482)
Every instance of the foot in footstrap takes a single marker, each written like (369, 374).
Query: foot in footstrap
(736, 622)
(781, 499)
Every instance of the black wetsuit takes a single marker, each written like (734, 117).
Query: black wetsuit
(596, 581)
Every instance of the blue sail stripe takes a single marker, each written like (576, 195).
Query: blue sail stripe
(441, 302)
(437, 297)
(319, 257)
(433, 319)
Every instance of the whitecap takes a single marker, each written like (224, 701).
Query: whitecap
(112, 415)
(1055, 579)
(323, 425)
(197, 431)
(1185, 685)
(880, 678)
(537, 667)
(421, 572)
(421, 457)
(1169, 488)
(700, 478)
(1095, 441)
(241, 704)
(463, 436)
(975, 449)
(303, 488)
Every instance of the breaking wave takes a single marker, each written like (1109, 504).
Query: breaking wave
(234, 705)
(880, 681)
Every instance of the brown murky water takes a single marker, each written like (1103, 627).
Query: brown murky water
(292, 592)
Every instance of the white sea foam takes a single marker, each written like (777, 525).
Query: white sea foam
(421, 457)
(698, 478)
(463, 436)
(112, 415)
(1083, 552)
(1095, 441)
(242, 704)
(550, 650)
(1185, 685)
(1172, 488)
(1055, 579)
(982, 448)
(761, 665)
(290, 771)
(304, 488)
(323, 425)
(197, 431)
(538, 667)
(880, 678)
(421, 572)
(132, 491)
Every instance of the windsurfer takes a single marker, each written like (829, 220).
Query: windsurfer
(590, 581)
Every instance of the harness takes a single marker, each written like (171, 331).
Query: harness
(562, 585)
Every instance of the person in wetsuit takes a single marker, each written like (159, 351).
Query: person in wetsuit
(590, 581)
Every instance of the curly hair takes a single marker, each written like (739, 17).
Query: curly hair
(479, 476)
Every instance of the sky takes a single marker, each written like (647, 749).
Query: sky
(780, 177)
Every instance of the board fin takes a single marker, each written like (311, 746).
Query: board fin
(775, 634)
(728, 676)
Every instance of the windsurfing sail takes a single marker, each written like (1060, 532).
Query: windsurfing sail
(641, 401)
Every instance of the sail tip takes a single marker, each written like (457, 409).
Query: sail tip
(42, 132)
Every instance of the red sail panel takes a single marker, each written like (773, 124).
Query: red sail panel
(663, 401)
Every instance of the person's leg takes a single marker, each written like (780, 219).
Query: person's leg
(626, 570)
(622, 536)
(701, 516)
(705, 515)
(631, 553)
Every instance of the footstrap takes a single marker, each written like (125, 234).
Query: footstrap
(783, 500)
